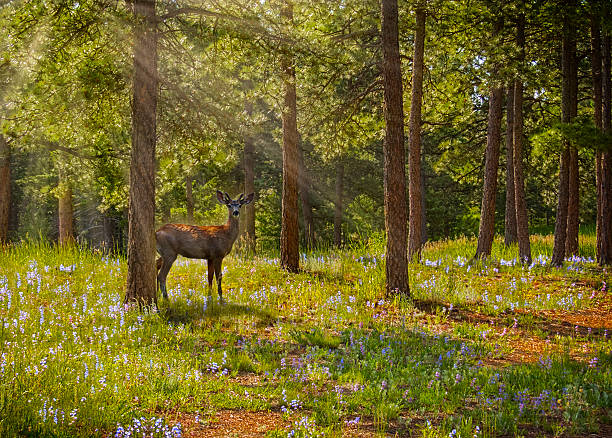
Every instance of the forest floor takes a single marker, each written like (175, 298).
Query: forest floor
(480, 349)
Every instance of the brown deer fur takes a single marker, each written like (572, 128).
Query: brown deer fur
(211, 242)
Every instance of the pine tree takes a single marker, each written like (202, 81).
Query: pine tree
(394, 155)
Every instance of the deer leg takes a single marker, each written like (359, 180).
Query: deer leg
(159, 263)
(219, 275)
(166, 264)
(211, 273)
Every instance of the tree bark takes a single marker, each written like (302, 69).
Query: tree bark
(561, 221)
(559, 246)
(510, 216)
(597, 112)
(414, 157)
(289, 244)
(5, 189)
(573, 205)
(338, 203)
(109, 230)
(486, 231)
(394, 155)
(605, 257)
(424, 236)
(304, 189)
(141, 275)
(189, 198)
(522, 224)
(66, 213)
(249, 187)
(598, 193)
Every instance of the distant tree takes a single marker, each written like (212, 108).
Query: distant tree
(141, 273)
(510, 214)
(486, 230)
(573, 203)
(110, 242)
(567, 55)
(305, 198)
(5, 188)
(416, 213)
(338, 203)
(289, 241)
(394, 155)
(605, 247)
(561, 220)
(424, 235)
(66, 211)
(189, 197)
(249, 185)
(595, 22)
(522, 225)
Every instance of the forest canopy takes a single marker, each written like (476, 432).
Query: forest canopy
(66, 77)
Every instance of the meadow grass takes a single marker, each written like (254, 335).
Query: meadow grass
(480, 349)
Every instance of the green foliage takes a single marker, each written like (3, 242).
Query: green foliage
(65, 79)
(582, 133)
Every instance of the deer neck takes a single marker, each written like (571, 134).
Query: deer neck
(232, 225)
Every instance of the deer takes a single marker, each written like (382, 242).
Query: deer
(212, 242)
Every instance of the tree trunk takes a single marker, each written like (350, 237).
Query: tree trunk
(605, 257)
(289, 244)
(564, 168)
(414, 157)
(597, 113)
(510, 219)
(5, 189)
(338, 203)
(486, 231)
(424, 236)
(141, 274)
(249, 187)
(573, 205)
(598, 183)
(522, 224)
(394, 155)
(109, 243)
(558, 254)
(304, 189)
(189, 198)
(66, 213)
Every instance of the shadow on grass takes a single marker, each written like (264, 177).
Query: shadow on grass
(557, 326)
(429, 305)
(525, 320)
(185, 312)
(333, 277)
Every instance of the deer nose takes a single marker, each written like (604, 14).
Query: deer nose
(236, 213)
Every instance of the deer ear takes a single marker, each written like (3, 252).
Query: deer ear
(220, 197)
(228, 198)
(248, 199)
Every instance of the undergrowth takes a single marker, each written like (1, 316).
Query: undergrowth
(325, 350)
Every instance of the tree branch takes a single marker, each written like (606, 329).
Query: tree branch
(55, 146)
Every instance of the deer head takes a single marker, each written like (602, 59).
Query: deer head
(233, 205)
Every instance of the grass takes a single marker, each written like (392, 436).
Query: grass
(482, 349)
